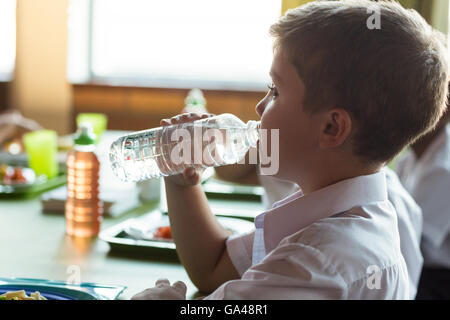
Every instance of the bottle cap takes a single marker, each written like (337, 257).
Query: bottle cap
(85, 134)
(195, 97)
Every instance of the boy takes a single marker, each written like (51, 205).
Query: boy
(344, 107)
(425, 172)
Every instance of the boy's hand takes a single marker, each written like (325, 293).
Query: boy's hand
(163, 291)
(190, 176)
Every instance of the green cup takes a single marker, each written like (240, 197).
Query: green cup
(42, 149)
(98, 121)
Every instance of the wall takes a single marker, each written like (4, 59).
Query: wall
(39, 88)
(439, 15)
(134, 108)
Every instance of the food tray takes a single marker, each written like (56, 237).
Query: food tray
(57, 290)
(40, 184)
(120, 239)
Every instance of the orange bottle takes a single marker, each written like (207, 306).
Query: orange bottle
(84, 208)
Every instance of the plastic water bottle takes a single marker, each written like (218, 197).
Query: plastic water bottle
(168, 150)
(83, 209)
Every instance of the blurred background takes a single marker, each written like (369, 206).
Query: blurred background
(136, 60)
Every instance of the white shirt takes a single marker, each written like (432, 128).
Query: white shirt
(409, 216)
(428, 181)
(275, 189)
(340, 242)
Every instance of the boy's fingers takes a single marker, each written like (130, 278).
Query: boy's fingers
(196, 178)
(180, 287)
(164, 122)
(191, 175)
(162, 282)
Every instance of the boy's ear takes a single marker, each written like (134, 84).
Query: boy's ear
(336, 128)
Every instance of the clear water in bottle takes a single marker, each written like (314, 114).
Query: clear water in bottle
(168, 150)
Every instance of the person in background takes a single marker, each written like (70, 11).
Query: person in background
(12, 126)
(13, 123)
(424, 170)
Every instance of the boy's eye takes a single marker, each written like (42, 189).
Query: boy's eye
(273, 90)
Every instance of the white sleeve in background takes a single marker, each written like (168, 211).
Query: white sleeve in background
(428, 181)
(433, 196)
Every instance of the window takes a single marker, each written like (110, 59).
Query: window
(7, 38)
(178, 43)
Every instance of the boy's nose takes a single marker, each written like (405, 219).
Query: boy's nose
(261, 106)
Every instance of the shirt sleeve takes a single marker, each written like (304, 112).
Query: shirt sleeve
(305, 275)
(433, 196)
(240, 249)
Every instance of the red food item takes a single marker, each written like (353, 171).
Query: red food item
(8, 176)
(18, 175)
(163, 232)
(13, 175)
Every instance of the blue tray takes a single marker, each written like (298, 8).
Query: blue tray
(56, 290)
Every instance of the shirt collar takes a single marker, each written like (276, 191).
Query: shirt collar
(298, 211)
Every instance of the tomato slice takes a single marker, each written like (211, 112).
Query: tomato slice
(163, 232)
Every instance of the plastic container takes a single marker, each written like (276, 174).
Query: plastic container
(83, 209)
(164, 151)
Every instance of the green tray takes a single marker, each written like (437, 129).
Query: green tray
(218, 189)
(122, 240)
(41, 184)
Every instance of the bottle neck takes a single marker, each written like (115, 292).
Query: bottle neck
(253, 132)
(84, 148)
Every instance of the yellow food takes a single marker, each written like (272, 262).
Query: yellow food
(21, 295)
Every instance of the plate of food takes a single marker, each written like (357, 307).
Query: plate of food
(15, 293)
(16, 175)
(152, 232)
(21, 180)
(39, 289)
